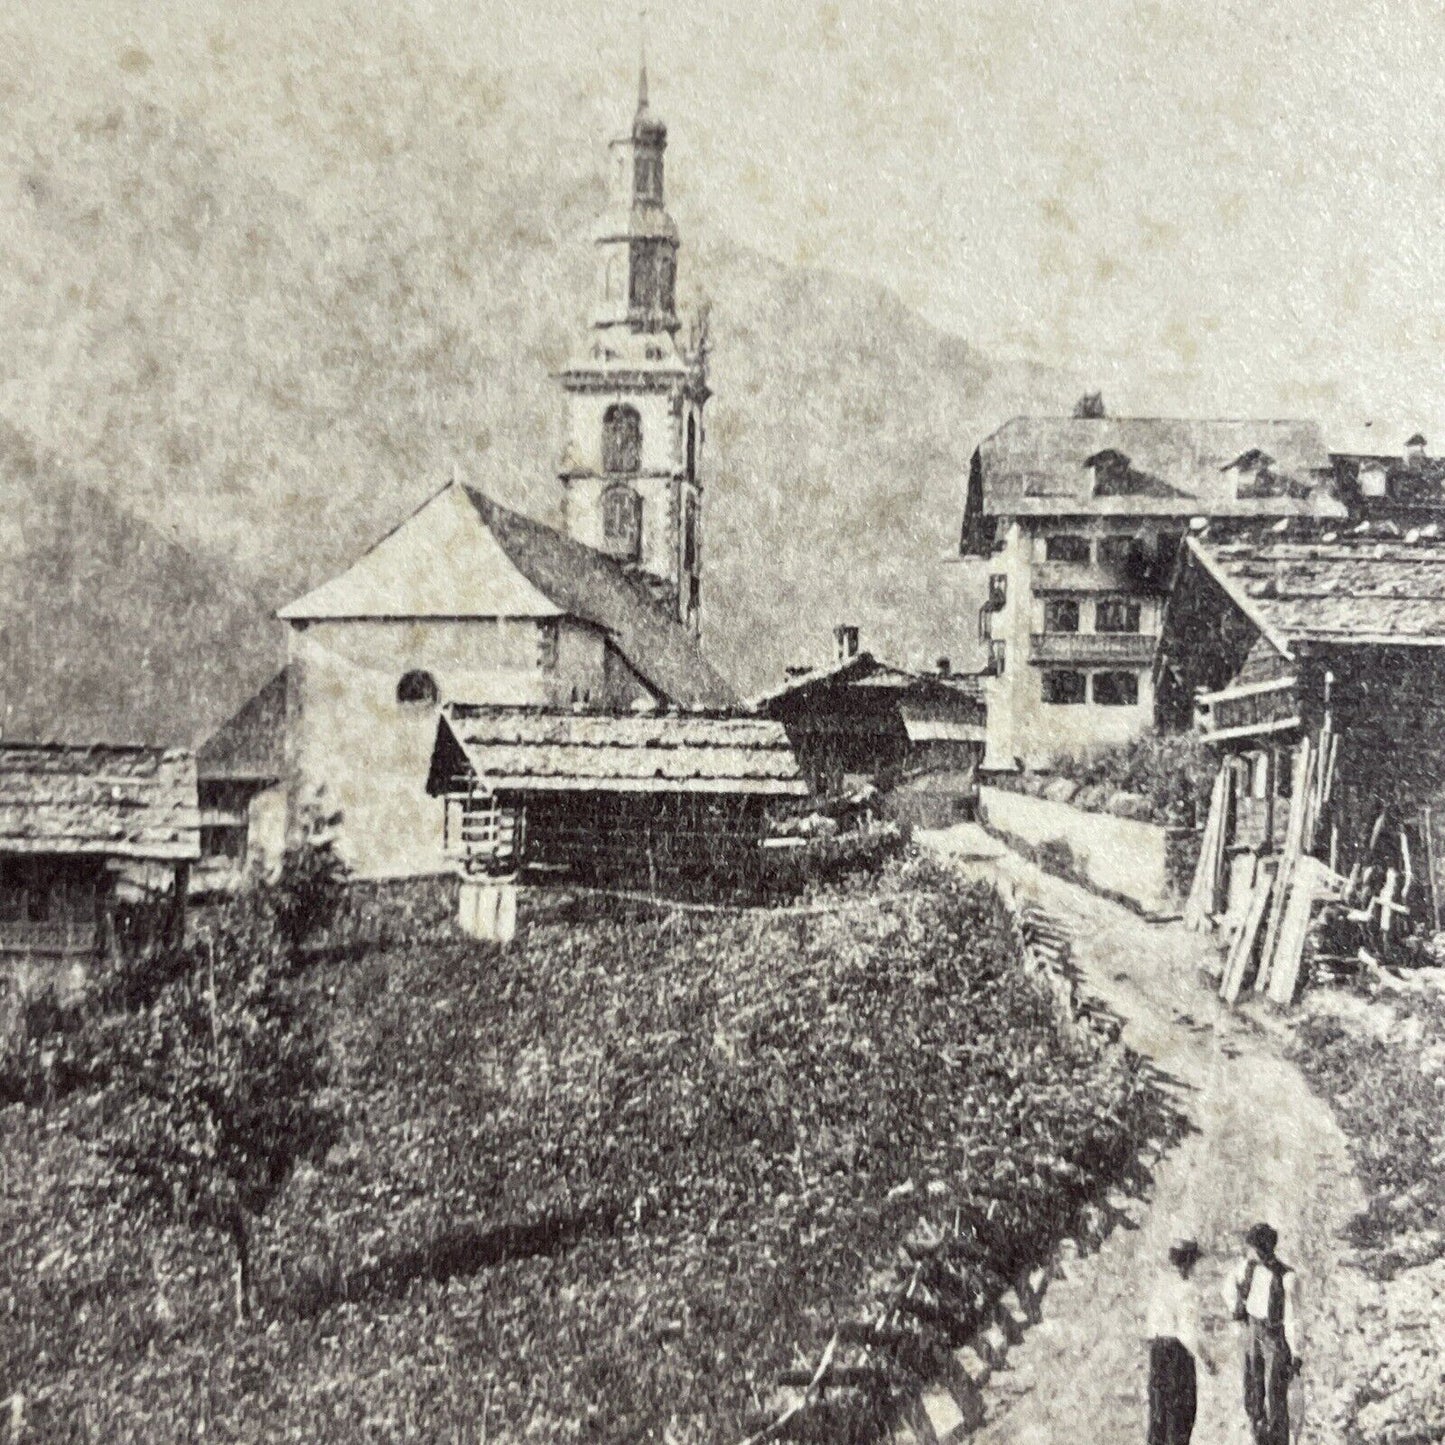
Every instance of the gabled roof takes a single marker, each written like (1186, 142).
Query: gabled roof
(863, 670)
(1351, 590)
(462, 555)
(1040, 466)
(250, 745)
(536, 750)
(101, 801)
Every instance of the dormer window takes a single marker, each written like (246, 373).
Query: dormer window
(1111, 472)
(621, 439)
(1374, 480)
(1253, 475)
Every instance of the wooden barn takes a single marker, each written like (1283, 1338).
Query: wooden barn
(84, 830)
(633, 796)
(863, 721)
(1314, 661)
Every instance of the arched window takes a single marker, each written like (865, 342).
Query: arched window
(417, 689)
(622, 522)
(621, 439)
(692, 448)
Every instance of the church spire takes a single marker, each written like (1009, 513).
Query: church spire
(642, 62)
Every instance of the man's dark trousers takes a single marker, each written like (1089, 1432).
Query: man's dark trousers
(1267, 1369)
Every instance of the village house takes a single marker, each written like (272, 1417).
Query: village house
(1313, 658)
(469, 600)
(85, 830)
(860, 722)
(1079, 521)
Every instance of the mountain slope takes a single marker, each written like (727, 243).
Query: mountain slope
(107, 630)
(270, 329)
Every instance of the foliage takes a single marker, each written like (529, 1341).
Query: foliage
(308, 893)
(830, 858)
(40, 1056)
(212, 1093)
(602, 1184)
(1171, 772)
(1387, 1092)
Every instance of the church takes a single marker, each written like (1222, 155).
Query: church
(468, 600)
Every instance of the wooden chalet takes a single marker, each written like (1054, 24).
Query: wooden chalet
(83, 828)
(1314, 660)
(862, 720)
(602, 795)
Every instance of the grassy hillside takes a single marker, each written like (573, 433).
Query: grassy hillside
(599, 1185)
(268, 299)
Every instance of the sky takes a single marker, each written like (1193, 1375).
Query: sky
(1208, 208)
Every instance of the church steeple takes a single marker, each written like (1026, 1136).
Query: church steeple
(632, 466)
(637, 241)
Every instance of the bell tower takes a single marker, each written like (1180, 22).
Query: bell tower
(631, 472)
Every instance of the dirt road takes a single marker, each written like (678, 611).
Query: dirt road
(1265, 1149)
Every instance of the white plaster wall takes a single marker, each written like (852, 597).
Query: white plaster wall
(367, 755)
(1020, 724)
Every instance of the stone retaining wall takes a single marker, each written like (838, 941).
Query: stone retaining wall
(1139, 863)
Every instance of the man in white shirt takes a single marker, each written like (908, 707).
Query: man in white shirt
(1264, 1295)
(1172, 1329)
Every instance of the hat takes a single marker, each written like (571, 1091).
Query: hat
(1262, 1237)
(1184, 1251)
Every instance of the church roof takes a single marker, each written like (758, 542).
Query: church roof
(462, 555)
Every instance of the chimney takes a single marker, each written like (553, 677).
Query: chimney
(1415, 451)
(945, 667)
(846, 637)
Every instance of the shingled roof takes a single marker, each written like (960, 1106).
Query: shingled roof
(866, 671)
(105, 801)
(532, 750)
(1042, 466)
(1351, 590)
(463, 555)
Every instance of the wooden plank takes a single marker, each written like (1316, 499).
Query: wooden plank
(1430, 871)
(1248, 730)
(1211, 846)
(1239, 967)
(1246, 689)
(1294, 831)
(1289, 951)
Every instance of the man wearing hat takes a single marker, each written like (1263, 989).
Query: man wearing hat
(1172, 1329)
(1264, 1294)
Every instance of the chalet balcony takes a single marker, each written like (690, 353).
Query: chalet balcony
(1127, 649)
